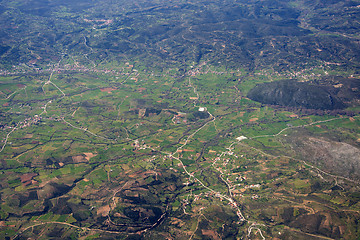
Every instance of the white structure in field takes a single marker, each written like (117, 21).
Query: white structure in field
(241, 138)
(202, 109)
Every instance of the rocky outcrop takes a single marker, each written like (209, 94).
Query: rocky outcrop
(337, 157)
